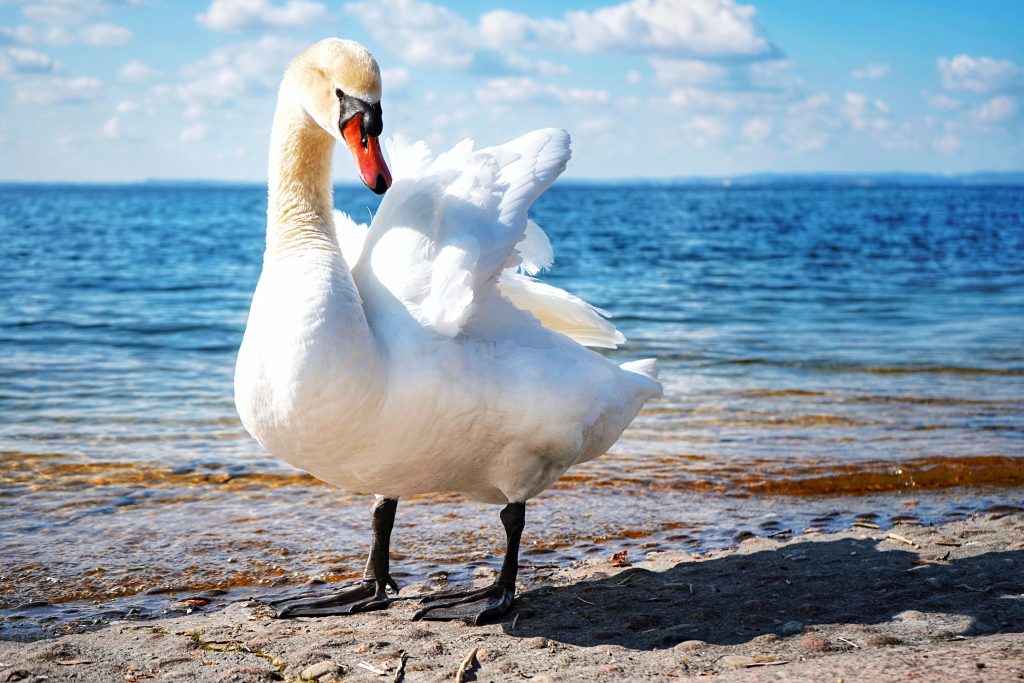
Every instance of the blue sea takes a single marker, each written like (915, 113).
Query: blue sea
(830, 354)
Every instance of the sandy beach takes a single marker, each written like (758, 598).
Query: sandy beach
(940, 603)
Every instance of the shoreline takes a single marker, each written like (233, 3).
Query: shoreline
(937, 603)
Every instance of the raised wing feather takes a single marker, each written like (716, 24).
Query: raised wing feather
(448, 226)
(560, 311)
(351, 237)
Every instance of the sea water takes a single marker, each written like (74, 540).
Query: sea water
(829, 353)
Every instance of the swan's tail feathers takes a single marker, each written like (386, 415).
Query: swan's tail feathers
(560, 311)
(648, 368)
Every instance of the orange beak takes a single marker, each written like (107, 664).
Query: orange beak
(367, 155)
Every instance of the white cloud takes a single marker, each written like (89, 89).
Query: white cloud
(947, 144)
(112, 128)
(699, 99)
(105, 35)
(232, 72)
(596, 124)
(20, 34)
(64, 12)
(809, 123)
(239, 15)
(53, 90)
(127, 107)
(775, 74)
(21, 60)
(36, 35)
(977, 74)
(941, 101)
(633, 77)
(544, 67)
(395, 79)
(996, 110)
(193, 133)
(871, 71)
(137, 71)
(704, 28)
(756, 129)
(687, 71)
(523, 89)
(420, 32)
(864, 113)
(705, 130)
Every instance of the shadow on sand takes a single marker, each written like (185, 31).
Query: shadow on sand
(741, 596)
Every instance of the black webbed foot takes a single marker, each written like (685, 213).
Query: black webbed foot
(479, 606)
(365, 596)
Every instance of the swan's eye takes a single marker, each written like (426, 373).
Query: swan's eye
(337, 91)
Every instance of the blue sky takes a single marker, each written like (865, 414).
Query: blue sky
(121, 90)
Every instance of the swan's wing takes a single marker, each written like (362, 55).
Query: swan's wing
(560, 311)
(448, 226)
(555, 308)
(351, 237)
(535, 253)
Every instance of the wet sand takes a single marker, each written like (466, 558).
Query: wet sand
(938, 603)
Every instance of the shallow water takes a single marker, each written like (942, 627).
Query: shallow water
(829, 354)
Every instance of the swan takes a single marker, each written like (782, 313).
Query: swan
(418, 354)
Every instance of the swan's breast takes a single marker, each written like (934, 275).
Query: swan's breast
(308, 373)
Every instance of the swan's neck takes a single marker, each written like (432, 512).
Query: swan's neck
(300, 204)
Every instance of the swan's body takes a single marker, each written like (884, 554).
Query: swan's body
(411, 357)
(392, 376)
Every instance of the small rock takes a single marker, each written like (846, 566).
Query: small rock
(691, 645)
(434, 649)
(909, 615)
(537, 642)
(815, 643)
(483, 654)
(791, 628)
(765, 639)
(541, 678)
(735, 661)
(508, 666)
(172, 660)
(610, 670)
(248, 674)
(318, 670)
(881, 640)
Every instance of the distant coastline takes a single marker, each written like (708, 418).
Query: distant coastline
(978, 179)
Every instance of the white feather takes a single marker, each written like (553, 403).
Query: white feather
(560, 311)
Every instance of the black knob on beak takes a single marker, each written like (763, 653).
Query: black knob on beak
(373, 121)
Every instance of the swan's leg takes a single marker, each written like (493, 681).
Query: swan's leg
(368, 594)
(484, 604)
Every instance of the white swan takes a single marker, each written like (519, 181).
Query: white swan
(411, 356)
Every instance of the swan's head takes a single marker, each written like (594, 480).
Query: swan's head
(337, 82)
